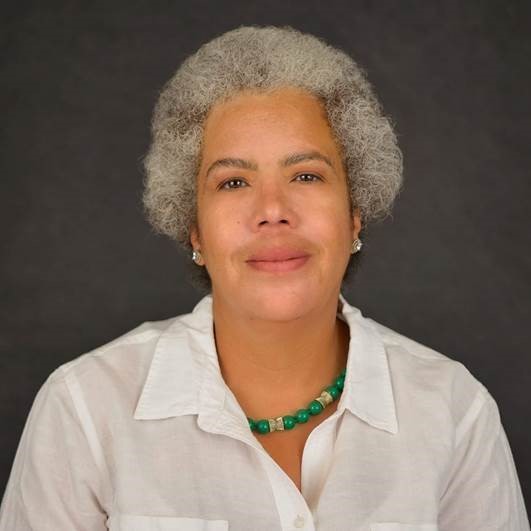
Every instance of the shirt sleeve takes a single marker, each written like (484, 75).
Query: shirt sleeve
(54, 482)
(483, 491)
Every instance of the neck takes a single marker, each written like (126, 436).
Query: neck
(275, 367)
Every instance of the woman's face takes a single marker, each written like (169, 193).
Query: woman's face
(270, 187)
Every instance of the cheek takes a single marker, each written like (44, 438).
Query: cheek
(331, 227)
(222, 230)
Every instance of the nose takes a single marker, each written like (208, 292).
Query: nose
(272, 206)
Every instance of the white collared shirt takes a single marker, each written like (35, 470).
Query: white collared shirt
(143, 434)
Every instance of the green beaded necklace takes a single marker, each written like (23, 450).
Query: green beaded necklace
(288, 422)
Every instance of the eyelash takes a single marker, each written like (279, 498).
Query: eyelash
(222, 185)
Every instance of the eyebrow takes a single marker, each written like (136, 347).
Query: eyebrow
(294, 158)
(289, 160)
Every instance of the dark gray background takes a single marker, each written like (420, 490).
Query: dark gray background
(79, 265)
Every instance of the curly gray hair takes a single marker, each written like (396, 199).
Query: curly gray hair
(253, 57)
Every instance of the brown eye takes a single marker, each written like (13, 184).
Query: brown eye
(314, 177)
(226, 184)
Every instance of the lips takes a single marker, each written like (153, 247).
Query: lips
(278, 261)
(277, 254)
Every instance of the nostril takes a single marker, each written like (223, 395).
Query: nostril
(280, 221)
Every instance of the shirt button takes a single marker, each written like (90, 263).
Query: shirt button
(299, 521)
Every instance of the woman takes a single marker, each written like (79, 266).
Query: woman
(274, 404)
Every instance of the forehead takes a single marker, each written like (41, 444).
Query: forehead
(285, 114)
(255, 101)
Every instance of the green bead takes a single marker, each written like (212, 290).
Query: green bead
(289, 422)
(262, 426)
(343, 373)
(302, 416)
(333, 391)
(252, 424)
(315, 407)
(340, 382)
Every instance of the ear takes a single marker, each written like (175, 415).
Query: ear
(194, 238)
(356, 223)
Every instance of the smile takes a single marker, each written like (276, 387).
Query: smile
(279, 266)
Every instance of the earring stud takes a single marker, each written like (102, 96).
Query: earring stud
(196, 257)
(356, 246)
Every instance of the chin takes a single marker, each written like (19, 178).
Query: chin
(280, 303)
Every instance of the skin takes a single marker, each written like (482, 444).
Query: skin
(278, 339)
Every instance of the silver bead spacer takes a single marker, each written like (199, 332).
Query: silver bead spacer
(322, 401)
(274, 425)
(328, 398)
(280, 424)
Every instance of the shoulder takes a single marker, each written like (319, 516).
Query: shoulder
(407, 352)
(108, 380)
(132, 351)
(426, 378)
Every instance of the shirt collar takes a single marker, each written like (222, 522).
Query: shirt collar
(185, 378)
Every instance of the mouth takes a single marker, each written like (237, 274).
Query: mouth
(279, 266)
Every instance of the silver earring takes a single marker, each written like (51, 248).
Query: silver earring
(356, 246)
(196, 257)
